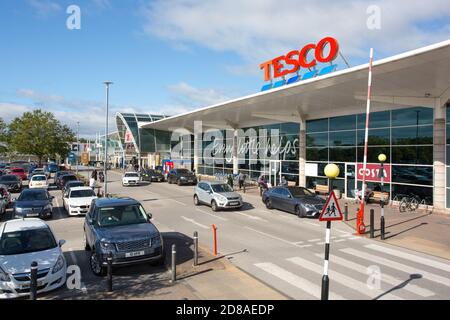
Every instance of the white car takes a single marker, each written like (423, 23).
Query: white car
(38, 181)
(77, 200)
(131, 179)
(23, 241)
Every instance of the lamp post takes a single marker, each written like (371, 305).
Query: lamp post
(331, 171)
(78, 145)
(382, 159)
(107, 84)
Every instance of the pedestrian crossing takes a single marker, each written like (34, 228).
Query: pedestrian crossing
(371, 272)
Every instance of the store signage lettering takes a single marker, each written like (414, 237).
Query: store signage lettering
(372, 172)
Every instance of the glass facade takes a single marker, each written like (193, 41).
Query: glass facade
(447, 155)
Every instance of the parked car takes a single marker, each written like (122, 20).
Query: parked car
(38, 181)
(58, 175)
(37, 171)
(21, 243)
(181, 176)
(131, 179)
(12, 182)
(6, 195)
(66, 178)
(296, 200)
(72, 184)
(20, 172)
(218, 195)
(152, 175)
(33, 203)
(77, 200)
(121, 226)
(51, 168)
(3, 204)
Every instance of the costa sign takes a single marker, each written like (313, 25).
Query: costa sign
(372, 172)
(296, 59)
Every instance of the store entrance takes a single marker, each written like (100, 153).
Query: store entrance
(350, 180)
(274, 172)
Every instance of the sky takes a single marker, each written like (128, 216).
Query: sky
(168, 57)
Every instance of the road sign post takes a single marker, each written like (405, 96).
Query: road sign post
(382, 159)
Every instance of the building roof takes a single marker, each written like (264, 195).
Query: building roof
(414, 78)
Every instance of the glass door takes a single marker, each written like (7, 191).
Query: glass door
(274, 172)
(350, 180)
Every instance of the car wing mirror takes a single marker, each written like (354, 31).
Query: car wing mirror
(149, 215)
(61, 242)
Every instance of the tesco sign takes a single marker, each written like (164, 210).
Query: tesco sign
(296, 59)
(372, 172)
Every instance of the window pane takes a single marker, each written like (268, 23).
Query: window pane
(412, 155)
(377, 137)
(317, 125)
(373, 153)
(412, 175)
(317, 154)
(423, 192)
(448, 195)
(290, 128)
(343, 123)
(343, 138)
(289, 167)
(311, 182)
(412, 135)
(342, 154)
(317, 140)
(412, 116)
(376, 120)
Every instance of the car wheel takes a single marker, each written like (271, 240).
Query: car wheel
(196, 202)
(86, 244)
(179, 182)
(214, 206)
(299, 212)
(96, 267)
(269, 203)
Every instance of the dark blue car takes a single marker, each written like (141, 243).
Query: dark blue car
(33, 203)
(120, 226)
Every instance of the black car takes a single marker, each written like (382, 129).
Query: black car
(66, 178)
(152, 175)
(12, 182)
(296, 200)
(58, 175)
(181, 176)
(72, 184)
(33, 203)
(122, 227)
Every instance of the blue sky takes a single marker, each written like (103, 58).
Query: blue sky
(173, 56)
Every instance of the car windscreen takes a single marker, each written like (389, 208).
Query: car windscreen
(9, 178)
(121, 215)
(219, 188)
(18, 171)
(26, 241)
(301, 192)
(82, 193)
(38, 178)
(72, 184)
(69, 178)
(33, 195)
(135, 175)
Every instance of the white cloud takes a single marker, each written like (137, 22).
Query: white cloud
(192, 97)
(262, 29)
(44, 8)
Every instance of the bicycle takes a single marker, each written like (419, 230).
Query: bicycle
(410, 203)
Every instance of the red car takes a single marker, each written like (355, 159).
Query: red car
(19, 172)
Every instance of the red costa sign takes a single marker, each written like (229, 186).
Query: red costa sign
(296, 59)
(372, 172)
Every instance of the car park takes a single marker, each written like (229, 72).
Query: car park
(77, 200)
(297, 200)
(72, 184)
(23, 241)
(152, 175)
(181, 177)
(131, 179)
(58, 175)
(120, 226)
(38, 181)
(20, 172)
(33, 203)
(218, 195)
(12, 182)
(66, 178)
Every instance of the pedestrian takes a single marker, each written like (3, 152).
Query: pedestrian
(241, 179)
(93, 180)
(230, 180)
(283, 182)
(262, 184)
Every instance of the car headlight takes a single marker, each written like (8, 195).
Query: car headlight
(48, 207)
(183, 178)
(73, 206)
(309, 206)
(4, 276)
(19, 210)
(106, 245)
(156, 241)
(221, 198)
(58, 265)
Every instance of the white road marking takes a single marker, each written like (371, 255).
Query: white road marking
(411, 257)
(298, 242)
(355, 238)
(398, 266)
(195, 222)
(212, 215)
(250, 217)
(179, 202)
(340, 240)
(314, 240)
(349, 282)
(313, 224)
(274, 237)
(305, 246)
(294, 280)
(384, 277)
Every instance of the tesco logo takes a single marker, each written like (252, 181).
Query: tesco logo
(296, 59)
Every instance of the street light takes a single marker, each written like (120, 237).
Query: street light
(331, 171)
(78, 144)
(382, 158)
(107, 84)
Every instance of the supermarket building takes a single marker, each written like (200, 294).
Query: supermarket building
(323, 117)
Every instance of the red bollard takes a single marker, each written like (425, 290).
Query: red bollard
(215, 238)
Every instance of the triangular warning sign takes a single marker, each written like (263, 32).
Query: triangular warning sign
(331, 210)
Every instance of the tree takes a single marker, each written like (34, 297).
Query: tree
(39, 133)
(3, 136)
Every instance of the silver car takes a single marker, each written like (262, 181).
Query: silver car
(218, 195)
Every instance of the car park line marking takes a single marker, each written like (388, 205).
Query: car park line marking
(294, 280)
(398, 266)
(305, 246)
(179, 202)
(210, 214)
(344, 232)
(354, 238)
(384, 277)
(59, 208)
(195, 222)
(162, 226)
(340, 240)
(314, 240)
(250, 217)
(313, 224)
(411, 257)
(298, 242)
(274, 237)
(349, 282)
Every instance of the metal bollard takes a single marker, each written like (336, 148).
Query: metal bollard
(195, 248)
(109, 259)
(382, 227)
(33, 280)
(372, 223)
(346, 211)
(174, 263)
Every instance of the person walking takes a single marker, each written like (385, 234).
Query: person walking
(241, 179)
(93, 180)
(262, 184)
(230, 180)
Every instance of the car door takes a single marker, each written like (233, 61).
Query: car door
(66, 197)
(288, 202)
(88, 224)
(201, 192)
(275, 198)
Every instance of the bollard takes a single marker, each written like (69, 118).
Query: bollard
(215, 238)
(372, 223)
(382, 227)
(195, 248)
(109, 259)
(33, 280)
(174, 263)
(346, 211)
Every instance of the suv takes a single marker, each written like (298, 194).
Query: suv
(122, 227)
(66, 178)
(181, 176)
(218, 195)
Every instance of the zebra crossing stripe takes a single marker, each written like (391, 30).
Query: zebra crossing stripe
(384, 277)
(351, 283)
(411, 257)
(398, 266)
(298, 282)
